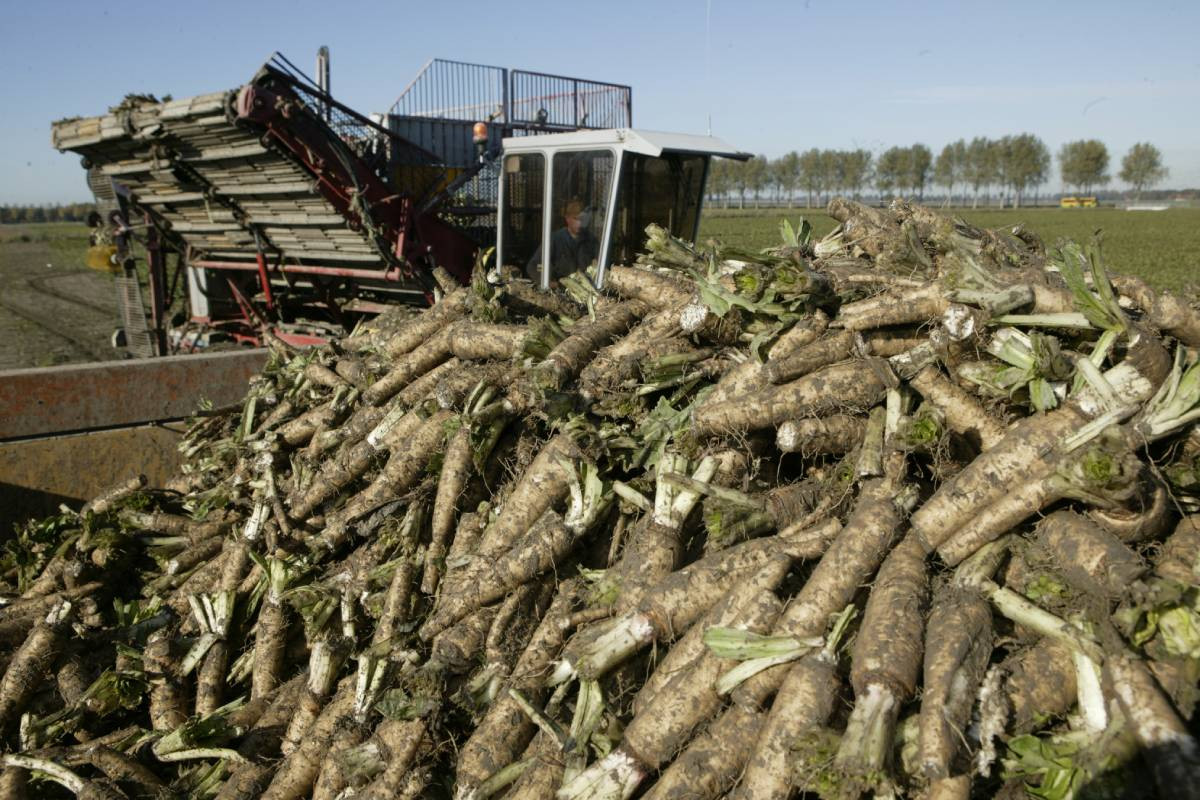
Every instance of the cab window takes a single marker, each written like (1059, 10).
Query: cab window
(665, 190)
(579, 208)
(524, 201)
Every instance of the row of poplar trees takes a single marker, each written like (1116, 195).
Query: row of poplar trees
(71, 212)
(1010, 167)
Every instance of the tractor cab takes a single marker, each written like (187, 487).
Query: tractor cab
(572, 200)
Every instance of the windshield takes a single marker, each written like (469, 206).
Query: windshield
(579, 205)
(665, 191)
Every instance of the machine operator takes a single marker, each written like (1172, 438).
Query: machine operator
(572, 247)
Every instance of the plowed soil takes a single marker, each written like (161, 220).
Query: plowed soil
(53, 310)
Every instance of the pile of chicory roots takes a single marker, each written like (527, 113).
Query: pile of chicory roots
(903, 511)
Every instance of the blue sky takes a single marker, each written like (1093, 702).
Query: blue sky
(777, 76)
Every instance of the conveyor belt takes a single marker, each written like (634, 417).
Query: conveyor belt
(210, 178)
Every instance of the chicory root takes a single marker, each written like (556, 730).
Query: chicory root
(1039, 684)
(835, 347)
(457, 467)
(409, 367)
(1163, 310)
(214, 614)
(108, 499)
(31, 662)
(545, 483)
(572, 354)
(958, 644)
(505, 729)
(1005, 465)
(20, 617)
(867, 227)
(1088, 557)
(885, 664)
(805, 701)
(849, 561)
(296, 774)
(963, 413)
(299, 430)
(1177, 559)
(713, 761)
(902, 307)
(689, 698)
(460, 646)
(549, 540)
(478, 341)
(167, 698)
(270, 631)
(669, 607)
(425, 386)
(353, 460)
(1167, 744)
(656, 290)
(850, 385)
(654, 547)
(750, 376)
(175, 525)
(395, 744)
(325, 660)
(452, 389)
(544, 774)
(419, 329)
(322, 375)
(619, 361)
(1146, 516)
(1093, 474)
(119, 767)
(404, 467)
(833, 434)
(691, 645)
(260, 747)
(356, 426)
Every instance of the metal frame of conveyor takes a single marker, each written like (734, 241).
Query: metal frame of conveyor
(349, 158)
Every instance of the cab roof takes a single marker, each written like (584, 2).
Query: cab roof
(634, 140)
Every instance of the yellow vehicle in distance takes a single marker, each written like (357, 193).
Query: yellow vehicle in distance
(1077, 202)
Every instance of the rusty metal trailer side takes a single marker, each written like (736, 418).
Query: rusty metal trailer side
(66, 433)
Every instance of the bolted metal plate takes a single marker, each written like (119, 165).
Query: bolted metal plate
(83, 397)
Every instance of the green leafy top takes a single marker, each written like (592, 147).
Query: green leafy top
(1098, 303)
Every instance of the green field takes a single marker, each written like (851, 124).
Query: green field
(1161, 246)
(60, 241)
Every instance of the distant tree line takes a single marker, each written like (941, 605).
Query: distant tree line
(1009, 167)
(71, 212)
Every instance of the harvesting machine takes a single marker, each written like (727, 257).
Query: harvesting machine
(285, 209)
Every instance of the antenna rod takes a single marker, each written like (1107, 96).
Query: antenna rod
(323, 76)
(708, 59)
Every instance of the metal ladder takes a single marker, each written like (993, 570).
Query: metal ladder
(139, 340)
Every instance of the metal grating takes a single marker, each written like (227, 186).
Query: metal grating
(470, 204)
(138, 338)
(457, 90)
(554, 100)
